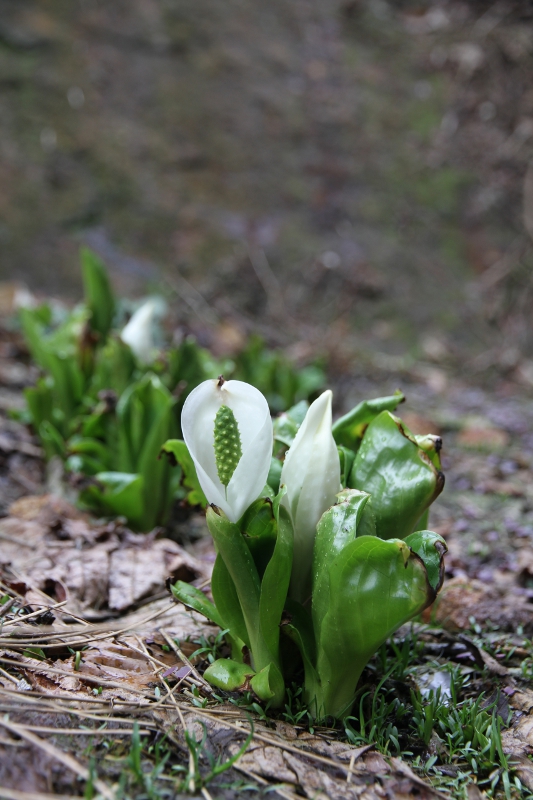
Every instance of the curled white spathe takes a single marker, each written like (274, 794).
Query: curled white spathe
(138, 333)
(311, 473)
(255, 428)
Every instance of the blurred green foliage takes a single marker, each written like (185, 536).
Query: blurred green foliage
(106, 414)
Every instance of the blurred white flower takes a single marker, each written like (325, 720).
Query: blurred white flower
(138, 333)
(232, 469)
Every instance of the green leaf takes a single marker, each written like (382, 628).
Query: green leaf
(243, 572)
(346, 459)
(274, 474)
(98, 293)
(40, 401)
(52, 441)
(349, 429)
(400, 476)
(286, 425)
(268, 685)
(177, 450)
(145, 421)
(259, 528)
(227, 601)
(430, 547)
(116, 493)
(231, 676)
(298, 626)
(350, 517)
(376, 586)
(194, 598)
(113, 368)
(275, 584)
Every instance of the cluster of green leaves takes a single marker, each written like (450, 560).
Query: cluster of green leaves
(107, 414)
(375, 566)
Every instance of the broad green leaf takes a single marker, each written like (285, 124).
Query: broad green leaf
(376, 586)
(229, 675)
(227, 601)
(177, 449)
(400, 476)
(194, 598)
(349, 429)
(431, 548)
(99, 297)
(422, 524)
(350, 517)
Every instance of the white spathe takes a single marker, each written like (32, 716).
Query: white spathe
(138, 333)
(255, 428)
(312, 474)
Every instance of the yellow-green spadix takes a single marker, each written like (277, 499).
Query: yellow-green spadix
(228, 430)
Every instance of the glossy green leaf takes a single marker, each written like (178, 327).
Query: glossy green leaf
(178, 451)
(431, 548)
(229, 675)
(99, 296)
(350, 517)
(194, 598)
(268, 685)
(349, 429)
(376, 586)
(400, 476)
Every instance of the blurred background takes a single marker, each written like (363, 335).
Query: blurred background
(346, 177)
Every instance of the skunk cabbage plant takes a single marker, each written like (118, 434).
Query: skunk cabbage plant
(319, 567)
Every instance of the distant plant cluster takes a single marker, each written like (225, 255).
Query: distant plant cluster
(108, 398)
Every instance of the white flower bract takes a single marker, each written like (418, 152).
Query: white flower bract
(255, 428)
(138, 333)
(311, 473)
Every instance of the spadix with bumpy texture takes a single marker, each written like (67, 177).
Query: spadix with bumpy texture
(228, 450)
(220, 416)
